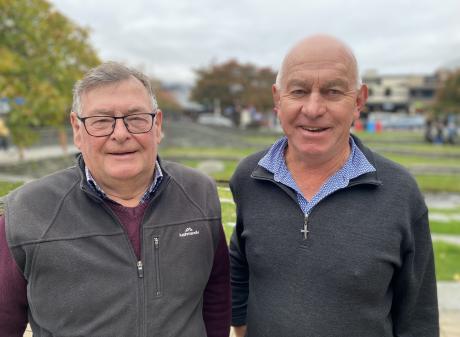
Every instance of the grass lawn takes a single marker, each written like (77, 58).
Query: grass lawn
(438, 183)
(6, 186)
(451, 227)
(207, 152)
(445, 220)
(392, 144)
(447, 255)
(397, 136)
(447, 259)
(228, 210)
(392, 136)
(446, 211)
(406, 141)
(419, 160)
(427, 182)
(422, 148)
(224, 175)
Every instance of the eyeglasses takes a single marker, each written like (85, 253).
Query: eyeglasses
(102, 126)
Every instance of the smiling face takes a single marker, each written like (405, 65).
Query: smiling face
(317, 99)
(120, 157)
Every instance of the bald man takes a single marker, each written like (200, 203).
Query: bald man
(331, 239)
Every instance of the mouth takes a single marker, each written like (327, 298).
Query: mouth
(313, 129)
(121, 154)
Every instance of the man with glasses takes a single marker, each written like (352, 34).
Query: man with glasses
(123, 243)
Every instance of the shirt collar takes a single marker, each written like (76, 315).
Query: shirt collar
(356, 165)
(274, 161)
(147, 195)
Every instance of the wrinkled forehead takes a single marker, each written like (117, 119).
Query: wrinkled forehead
(110, 96)
(320, 60)
(318, 73)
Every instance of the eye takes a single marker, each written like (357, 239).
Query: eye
(134, 118)
(100, 122)
(298, 92)
(334, 92)
(137, 118)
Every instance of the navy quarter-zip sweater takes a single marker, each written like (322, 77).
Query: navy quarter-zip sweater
(365, 270)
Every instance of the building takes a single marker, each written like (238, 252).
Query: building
(401, 93)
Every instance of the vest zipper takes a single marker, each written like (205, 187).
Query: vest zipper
(156, 248)
(140, 269)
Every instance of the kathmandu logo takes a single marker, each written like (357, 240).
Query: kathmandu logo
(188, 232)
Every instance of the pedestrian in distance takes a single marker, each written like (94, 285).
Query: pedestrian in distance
(4, 134)
(121, 244)
(331, 239)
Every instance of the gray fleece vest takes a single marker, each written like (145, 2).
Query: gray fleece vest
(83, 276)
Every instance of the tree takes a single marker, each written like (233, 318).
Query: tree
(42, 54)
(448, 95)
(234, 84)
(165, 99)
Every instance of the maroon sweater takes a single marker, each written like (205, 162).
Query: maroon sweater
(13, 286)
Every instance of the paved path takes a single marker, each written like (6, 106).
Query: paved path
(454, 239)
(12, 155)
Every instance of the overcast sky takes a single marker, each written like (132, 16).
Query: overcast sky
(171, 38)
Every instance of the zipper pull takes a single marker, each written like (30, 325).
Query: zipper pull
(140, 269)
(156, 242)
(305, 227)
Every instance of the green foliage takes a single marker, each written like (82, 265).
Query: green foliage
(165, 99)
(42, 54)
(448, 96)
(234, 84)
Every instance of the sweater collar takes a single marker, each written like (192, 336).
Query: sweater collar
(368, 178)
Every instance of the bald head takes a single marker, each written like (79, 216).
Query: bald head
(320, 49)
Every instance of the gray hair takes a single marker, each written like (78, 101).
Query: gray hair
(105, 74)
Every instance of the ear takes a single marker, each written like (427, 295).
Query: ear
(276, 98)
(361, 100)
(158, 122)
(77, 129)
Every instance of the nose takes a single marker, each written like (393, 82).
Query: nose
(314, 105)
(120, 131)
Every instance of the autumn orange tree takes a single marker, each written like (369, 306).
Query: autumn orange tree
(42, 54)
(233, 83)
(165, 98)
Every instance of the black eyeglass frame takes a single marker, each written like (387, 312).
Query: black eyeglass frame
(153, 114)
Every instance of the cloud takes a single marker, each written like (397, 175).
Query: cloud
(171, 38)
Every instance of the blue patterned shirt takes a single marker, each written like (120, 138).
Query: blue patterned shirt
(147, 195)
(356, 165)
